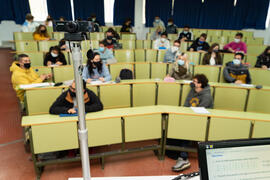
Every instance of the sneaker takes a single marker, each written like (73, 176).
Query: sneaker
(181, 164)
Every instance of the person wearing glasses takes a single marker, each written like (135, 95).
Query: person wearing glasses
(66, 103)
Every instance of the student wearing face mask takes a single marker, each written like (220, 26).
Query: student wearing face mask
(200, 44)
(212, 57)
(237, 45)
(162, 43)
(170, 54)
(171, 27)
(54, 57)
(22, 73)
(158, 23)
(198, 96)
(66, 103)
(185, 35)
(263, 60)
(41, 34)
(180, 69)
(110, 39)
(236, 72)
(126, 27)
(95, 69)
(106, 54)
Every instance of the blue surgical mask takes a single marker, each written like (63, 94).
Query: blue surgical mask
(236, 62)
(201, 42)
(157, 20)
(180, 62)
(101, 49)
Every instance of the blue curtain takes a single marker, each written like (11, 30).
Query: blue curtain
(161, 8)
(84, 8)
(14, 10)
(123, 9)
(58, 8)
(221, 14)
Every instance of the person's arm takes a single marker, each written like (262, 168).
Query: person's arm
(244, 48)
(248, 79)
(227, 76)
(25, 28)
(94, 104)
(62, 59)
(193, 46)
(46, 60)
(22, 80)
(206, 101)
(205, 59)
(85, 73)
(259, 62)
(227, 46)
(156, 43)
(59, 106)
(206, 46)
(187, 104)
(106, 73)
(167, 44)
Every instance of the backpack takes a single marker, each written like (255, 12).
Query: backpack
(126, 74)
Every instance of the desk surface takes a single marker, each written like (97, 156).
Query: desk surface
(135, 178)
(144, 110)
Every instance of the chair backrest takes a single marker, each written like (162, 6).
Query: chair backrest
(128, 36)
(139, 44)
(144, 94)
(142, 70)
(45, 45)
(151, 55)
(184, 46)
(115, 96)
(254, 41)
(43, 70)
(58, 35)
(85, 45)
(148, 36)
(158, 70)
(227, 57)
(172, 37)
(97, 35)
(43, 97)
(23, 36)
(219, 39)
(116, 68)
(128, 44)
(63, 73)
(193, 57)
(124, 55)
(255, 49)
(234, 100)
(211, 72)
(168, 94)
(147, 44)
(160, 56)
(260, 76)
(26, 46)
(36, 58)
(139, 55)
(251, 59)
(214, 32)
(259, 101)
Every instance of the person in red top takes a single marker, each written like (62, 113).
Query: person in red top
(237, 45)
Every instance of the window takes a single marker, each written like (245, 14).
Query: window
(143, 13)
(39, 9)
(108, 10)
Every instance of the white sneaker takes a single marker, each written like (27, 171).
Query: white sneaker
(181, 164)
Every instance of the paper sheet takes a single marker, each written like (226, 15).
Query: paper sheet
(27, 86)
(200, 110)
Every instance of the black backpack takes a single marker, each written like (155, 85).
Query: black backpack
(126, 74)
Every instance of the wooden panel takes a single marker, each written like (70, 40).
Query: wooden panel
(45, 45)
(115, 96)
(187, 127)
(168, 94)
(144, 94)
(123, 55)
(26, 46)
(261, 129)
(259, 101)
(226, 129)
(55, 137)
(139, 55)
(140, 128)
(211, 72)
(63, 73)
(104, 131)
(39, 101)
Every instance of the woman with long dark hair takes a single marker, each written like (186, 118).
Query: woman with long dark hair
(41, 33)
(263, 60)
(212, 57)
(95, 69)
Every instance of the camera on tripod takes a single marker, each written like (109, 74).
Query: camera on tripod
(75, 30)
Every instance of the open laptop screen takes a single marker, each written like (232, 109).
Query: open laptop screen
(235, 160)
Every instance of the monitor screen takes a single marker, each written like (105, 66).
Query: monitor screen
(235, 160)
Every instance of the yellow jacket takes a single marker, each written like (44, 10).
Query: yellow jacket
(22, 76)
(39, 37)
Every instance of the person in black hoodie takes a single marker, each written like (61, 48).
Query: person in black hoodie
(54, 56)
(200, 44)
(126, 26)
(66, 103)
(263, 60)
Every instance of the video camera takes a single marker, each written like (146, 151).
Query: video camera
(75, 30)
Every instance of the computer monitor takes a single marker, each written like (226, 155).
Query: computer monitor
(235, 160)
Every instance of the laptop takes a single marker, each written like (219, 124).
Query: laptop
(235, 160)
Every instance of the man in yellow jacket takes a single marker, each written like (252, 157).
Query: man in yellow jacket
(22, 73)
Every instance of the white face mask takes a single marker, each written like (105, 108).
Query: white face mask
(169, 24)
(93, 19)
(174, 49)
(236, 62)
(237, 40)
(162, 39)
(185, 32)
(54, 55)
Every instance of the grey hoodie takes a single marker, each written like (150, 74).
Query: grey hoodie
(201, 99)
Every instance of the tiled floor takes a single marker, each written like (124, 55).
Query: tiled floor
(15, 164)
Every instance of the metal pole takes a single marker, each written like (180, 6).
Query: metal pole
(82, 131)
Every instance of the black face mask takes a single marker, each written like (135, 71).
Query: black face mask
(27, 65)
(192, 85)
(109, 37)
(43, 31)
(72, 94)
